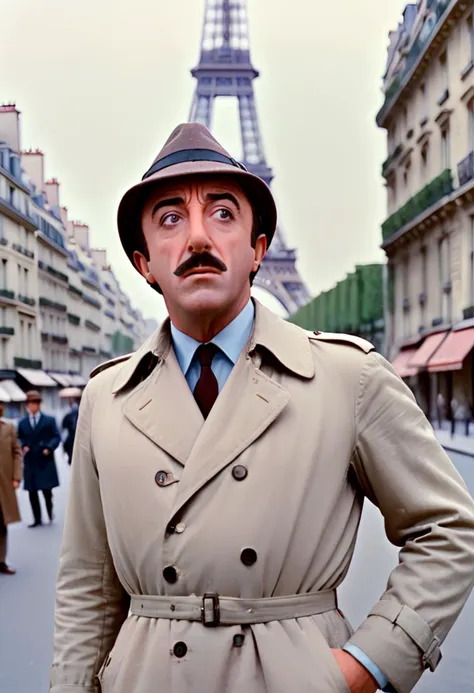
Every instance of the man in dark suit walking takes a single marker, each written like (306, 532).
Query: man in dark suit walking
(39, 438)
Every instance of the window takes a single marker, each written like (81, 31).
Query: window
(27, 283)
(470, 109)
(12, 196)
(445, 148)
(1, 227)
(424, 163)
(471, 258)
(444, 278)
(22, 337)
(4, 316)
(20, 283)
(443, 62)
(407, 180)
(30, 340)
(424, 101)
(470, 29)
(4, 363)
(4, 277)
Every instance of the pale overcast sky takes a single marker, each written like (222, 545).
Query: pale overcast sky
(101, 84)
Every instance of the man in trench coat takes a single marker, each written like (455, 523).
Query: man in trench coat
(219, 475)
(10, 477)
(39, 437)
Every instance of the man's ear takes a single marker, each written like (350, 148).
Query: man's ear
(141, 263)
(259, 250)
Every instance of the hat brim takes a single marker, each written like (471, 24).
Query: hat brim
(130, 208)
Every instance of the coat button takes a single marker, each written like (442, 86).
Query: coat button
(238, 640)
(180, 649)
(170, 574)
(180, 527)
(239, 472)
(161, 478)
(248, 557)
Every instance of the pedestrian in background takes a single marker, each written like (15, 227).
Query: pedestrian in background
(10, 477)
(39, 438)
(69, 425)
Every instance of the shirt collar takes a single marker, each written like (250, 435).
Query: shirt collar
(231, 340)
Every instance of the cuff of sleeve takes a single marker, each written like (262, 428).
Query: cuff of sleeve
(399, 642)
(366, 662)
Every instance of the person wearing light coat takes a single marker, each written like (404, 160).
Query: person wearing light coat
(11, 470)
(219, 475)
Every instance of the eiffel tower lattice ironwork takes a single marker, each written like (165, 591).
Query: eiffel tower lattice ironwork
(225, 69)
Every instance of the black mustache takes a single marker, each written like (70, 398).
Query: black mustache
(204, 259)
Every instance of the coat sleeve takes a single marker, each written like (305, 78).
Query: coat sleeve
(55, 437)
(17, 457)
(428, 512)
(91, 604)
(21, 434)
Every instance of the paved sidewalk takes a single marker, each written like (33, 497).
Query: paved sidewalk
(458, 443)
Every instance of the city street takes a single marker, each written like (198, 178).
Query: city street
(27, 599)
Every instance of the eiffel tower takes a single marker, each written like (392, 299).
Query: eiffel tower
(225, 69)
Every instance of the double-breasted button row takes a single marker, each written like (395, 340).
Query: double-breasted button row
(161, 478)
(180, 649)
(239, 472)
(248, 557)
(170, 574)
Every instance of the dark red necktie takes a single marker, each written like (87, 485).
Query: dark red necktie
(207, 387)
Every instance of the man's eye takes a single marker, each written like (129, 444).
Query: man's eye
(170, 219)
(224, 214)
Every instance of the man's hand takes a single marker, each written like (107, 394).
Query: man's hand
(25, 449)
(358, 678)
(16, 484)
(45, 452)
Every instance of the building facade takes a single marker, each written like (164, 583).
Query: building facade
(62, 311)
(428, 236)
(354, 306)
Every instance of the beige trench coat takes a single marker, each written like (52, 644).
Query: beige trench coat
(11, 464)
(319, 422)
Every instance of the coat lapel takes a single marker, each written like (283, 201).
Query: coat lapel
(165, 411)
(249, 402)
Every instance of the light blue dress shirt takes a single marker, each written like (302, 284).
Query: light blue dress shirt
(231, 341)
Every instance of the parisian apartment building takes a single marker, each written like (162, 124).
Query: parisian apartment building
(62, 310)
(428, 235)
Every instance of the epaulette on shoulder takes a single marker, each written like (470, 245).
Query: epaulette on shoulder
(337, 338)
(108, 364)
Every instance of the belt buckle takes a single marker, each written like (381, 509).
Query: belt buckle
(216, 616)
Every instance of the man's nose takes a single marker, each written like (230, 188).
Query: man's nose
(198, 239)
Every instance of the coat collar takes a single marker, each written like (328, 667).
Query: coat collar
(288, 343)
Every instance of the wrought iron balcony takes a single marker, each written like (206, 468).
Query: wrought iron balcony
(89, 349)
(6, 293)
(430, 195)
(466, 169)
(3, 241)
(468, 313)
(422, 298)
(92, 326)
(47, 303)
(24, 251)
(27, 300)
(9, 331)
(59, 339)
(73, 319)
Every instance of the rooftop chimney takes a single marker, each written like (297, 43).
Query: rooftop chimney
(100, 257)
(52, 192)
(10, 126)
(80, 233)
(33, 163)
(64, 219)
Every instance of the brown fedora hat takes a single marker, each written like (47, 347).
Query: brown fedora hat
(192, 150)
(33, 396)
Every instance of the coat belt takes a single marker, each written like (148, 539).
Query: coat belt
(213, 610)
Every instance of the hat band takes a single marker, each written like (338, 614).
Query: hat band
(186, 155)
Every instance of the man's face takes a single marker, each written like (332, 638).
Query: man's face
(198, 234)
(33, 407)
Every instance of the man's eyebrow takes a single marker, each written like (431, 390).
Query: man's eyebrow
(216, 197)
(171, 202)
